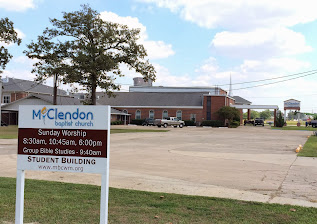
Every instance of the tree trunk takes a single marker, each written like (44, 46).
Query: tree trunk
(55, 90)
(93, 89)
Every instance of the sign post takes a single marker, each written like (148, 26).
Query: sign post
(63, 139)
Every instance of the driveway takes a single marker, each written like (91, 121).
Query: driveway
(247, 163)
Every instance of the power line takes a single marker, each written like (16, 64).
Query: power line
(265, 97)
(276, 82)
(262, 80)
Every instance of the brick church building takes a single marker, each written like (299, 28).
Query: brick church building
(187, 103)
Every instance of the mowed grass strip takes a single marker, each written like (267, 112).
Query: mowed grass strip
(295, 128)
(310, 147)
(115, 131)
(295, 122)
(54, 202)
(11, 132)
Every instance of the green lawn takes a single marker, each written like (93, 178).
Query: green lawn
(114, 131)
(310, 148)
(295, 128)
(12, 131)
(54, 202)
(9, 132)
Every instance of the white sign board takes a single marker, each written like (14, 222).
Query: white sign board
(64, 139)
(292, 104)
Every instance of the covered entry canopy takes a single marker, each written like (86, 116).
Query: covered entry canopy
(254, 107)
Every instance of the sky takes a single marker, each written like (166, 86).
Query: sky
(199, 43)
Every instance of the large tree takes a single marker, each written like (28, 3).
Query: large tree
(7, 35)
(95, 51)
(51, 60)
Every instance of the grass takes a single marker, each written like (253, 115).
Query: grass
(54, 202)
(114, 131)
(295, 128)
(11, 132)
(310, 148)
(295, 122)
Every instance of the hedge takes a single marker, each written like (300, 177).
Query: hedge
(234, 124)
(190, 123)
(116, 122)
(211, 123)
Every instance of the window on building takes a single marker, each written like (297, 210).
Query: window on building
(6, 99)
(165, 114)
(137, 114)
(151, 114)
(208, 115)
(193, 117)
(125, 111)
(179, 114)
(208, 101)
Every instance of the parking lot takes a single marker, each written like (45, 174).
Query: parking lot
(248, 163)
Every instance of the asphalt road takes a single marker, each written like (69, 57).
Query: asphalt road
(247, 163)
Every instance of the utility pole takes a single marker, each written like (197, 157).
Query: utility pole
(55, 90)
(230, 88)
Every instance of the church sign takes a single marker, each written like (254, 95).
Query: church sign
(292, 104)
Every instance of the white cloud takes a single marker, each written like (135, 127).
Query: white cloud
(241, 14)
(24, 61)
(158, 49)
(209, 66)
(17, 5)
(164, 78)
(155, 49)
(19, 74)
(274, 65)
(20, 35)
(260, 43)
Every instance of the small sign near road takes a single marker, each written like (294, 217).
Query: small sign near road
(63, 139)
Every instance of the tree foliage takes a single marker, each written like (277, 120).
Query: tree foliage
(91, 51)
(51, 60)
(230, 113)
(266, 114)
(254, 114)
(7, 35)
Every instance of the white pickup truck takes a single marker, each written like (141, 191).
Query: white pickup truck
(173, 121)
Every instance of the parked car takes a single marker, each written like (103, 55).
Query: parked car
(258, 121)
(148, 121)
(173, 121)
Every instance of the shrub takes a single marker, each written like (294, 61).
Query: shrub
(234, 124)
(137, 121)
(190, 123)
(211, 123)
(279, 120)
(230, 113)
(116, 122)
